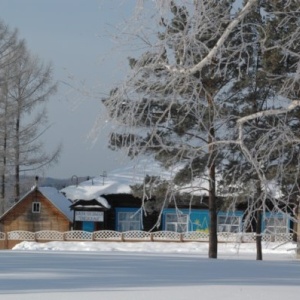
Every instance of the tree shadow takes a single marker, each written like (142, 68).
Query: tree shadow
(31, 271)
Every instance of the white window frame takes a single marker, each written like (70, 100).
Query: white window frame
(227, 223)
(178, 222)
(36, 207)
(129, 221)
(279, 225)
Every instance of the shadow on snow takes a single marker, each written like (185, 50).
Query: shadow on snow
(36, 271)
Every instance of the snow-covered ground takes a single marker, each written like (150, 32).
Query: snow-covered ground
(175, 271)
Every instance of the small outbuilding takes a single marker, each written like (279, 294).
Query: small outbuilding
(42, 208)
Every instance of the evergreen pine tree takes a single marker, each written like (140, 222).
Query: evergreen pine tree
(179, 117)
(209, 97)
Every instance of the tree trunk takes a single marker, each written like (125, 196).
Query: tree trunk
(3, 175)
(259, 255)
(4, 154)
(17, 183)
(298, 233)
(212, 205)
(17, 161)
(213, 239)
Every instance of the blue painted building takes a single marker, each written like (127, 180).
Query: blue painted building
(128, 218)
(183, 220)
(278, 223)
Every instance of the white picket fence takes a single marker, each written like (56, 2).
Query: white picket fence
(139, 236)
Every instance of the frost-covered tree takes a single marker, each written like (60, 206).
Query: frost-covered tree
(269, 136)
(11, 48)
(217, 78)
(30, 86)
(179, 116)
(256, 91)
(25, 86)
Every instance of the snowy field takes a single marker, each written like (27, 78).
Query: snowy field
(142, 271)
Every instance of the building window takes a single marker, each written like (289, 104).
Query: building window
(276, 225)
(177, 222)
(229, 224)
(128, 221)
(36, 207)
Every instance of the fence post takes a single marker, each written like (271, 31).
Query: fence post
(181, 237)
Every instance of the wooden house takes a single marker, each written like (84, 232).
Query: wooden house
(42, 208)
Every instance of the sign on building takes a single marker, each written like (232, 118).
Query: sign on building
(92, 216)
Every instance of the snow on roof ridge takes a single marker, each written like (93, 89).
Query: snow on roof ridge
(103, 202)
(58, 200)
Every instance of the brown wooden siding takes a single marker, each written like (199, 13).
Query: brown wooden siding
(21, 217)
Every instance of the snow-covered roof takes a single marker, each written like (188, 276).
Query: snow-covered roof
(94, 188)
(58, 200)
(103, 202)
(121, 180)
(54, 196)
(116, 182)
(99, 202)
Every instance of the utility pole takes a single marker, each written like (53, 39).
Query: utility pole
(104, 174)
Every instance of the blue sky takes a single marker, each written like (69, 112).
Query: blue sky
(72, 34)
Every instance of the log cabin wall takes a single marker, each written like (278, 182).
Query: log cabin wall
(22, 217)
